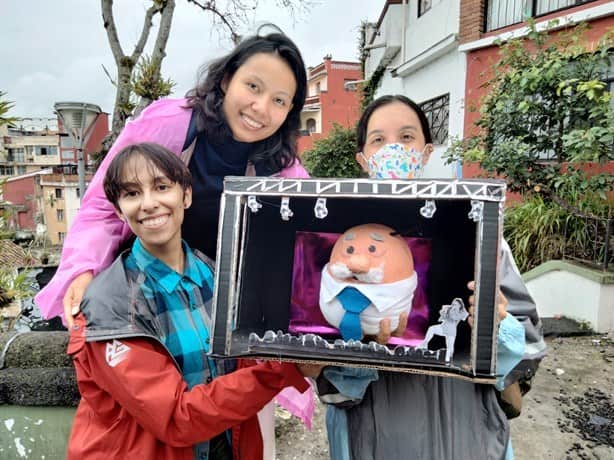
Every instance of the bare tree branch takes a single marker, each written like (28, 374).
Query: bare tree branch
(147, 24)
(224, 18)
(109, 25)
(164, 31)
(113, 82)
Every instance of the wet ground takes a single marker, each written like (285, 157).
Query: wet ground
(569, 413)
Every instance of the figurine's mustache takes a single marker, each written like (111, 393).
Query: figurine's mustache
(342, 271)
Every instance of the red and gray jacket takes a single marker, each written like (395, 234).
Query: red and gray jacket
(134, 401)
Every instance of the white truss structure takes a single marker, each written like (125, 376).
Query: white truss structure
(481, 190)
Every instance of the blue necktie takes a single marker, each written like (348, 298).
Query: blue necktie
(353, 302)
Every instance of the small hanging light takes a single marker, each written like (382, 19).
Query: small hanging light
(285, 210)
(252, 203)
(428, 210)
(320, 209)
(477, 208)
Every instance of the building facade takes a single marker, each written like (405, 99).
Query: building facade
(42, 203)
(485, 22)
(22, 202)
(414, 48)
(95, 136)
(332, 97)
(439, 53)
(31, 145)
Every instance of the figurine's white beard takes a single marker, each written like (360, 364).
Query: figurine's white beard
(341, 271)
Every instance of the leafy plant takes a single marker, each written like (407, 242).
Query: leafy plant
(5, 106)
(547, 107)
(334, 155)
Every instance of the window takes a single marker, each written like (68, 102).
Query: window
(45, 150)
(349, 84)
(424, 6)
(318, 88)
(17, 154)
(7, 171)
(58, 193)
(311, 125)
(437, 112)
(21, 170)
(78, 192)
(61, 236)
(60, 215)
(501, 13)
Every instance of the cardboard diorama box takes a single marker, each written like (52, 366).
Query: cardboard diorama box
(276, 237)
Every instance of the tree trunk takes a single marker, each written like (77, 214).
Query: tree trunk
(159, 51)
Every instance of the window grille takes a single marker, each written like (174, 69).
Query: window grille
(437, 112)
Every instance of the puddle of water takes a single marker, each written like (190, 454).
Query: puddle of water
(34, 432)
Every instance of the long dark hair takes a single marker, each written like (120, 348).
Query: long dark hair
(361, 127)
(278, 151)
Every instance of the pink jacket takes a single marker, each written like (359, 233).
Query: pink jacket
(96, 233)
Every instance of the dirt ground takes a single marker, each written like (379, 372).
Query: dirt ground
(569, 413)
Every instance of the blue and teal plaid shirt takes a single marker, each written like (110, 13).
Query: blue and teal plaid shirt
(182, 302)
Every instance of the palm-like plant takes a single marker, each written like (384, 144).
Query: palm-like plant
(5, 106)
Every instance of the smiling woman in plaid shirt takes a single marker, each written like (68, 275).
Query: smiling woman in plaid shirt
(140, 343)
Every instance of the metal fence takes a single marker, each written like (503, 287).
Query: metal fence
(590, 240)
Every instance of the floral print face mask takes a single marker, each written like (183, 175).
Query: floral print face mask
(396, 161)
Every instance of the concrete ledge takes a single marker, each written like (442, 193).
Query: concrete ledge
(598, 276)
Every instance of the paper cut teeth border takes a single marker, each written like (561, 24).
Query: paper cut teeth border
(315, 341)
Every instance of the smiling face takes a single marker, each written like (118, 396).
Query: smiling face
(153, 206)
(370, 254)
(258, 97)
(393, 123)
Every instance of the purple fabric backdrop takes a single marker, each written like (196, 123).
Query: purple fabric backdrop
(312, 251)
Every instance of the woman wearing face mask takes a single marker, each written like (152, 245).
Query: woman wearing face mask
(394, 139)
(397, 415)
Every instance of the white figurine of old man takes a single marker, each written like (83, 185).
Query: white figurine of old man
(449, 317)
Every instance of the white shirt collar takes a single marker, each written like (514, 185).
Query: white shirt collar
(381, 295)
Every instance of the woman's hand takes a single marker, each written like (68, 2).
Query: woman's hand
(501, 305)
(74, 295)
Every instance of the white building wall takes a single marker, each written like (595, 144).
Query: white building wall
(430, 65)
(72, 203)
(564, 293)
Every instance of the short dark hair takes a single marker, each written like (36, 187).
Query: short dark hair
(158, 156)
(361, 127)
(278, 151)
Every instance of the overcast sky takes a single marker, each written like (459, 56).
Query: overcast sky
(54, 50)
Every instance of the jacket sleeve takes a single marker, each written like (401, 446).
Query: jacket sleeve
(522, 306)
(150, 388)
(295, 171)
(96, 232)
(510, 348)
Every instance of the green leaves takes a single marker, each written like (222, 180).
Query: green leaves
(548, 106)
(5, 106)
(334, 156)
(547, 113)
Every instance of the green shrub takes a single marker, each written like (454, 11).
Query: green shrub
(334, 155)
